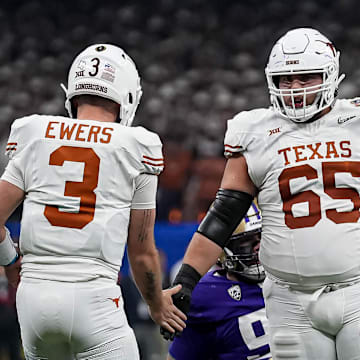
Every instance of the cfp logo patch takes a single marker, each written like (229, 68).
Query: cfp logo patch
(81, 65)
(355, 102)
(235, 292)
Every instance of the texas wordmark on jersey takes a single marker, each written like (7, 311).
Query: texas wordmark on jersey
(308, 177)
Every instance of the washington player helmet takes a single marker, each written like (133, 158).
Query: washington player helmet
(240, 256)
(107, 71)
(303, 51)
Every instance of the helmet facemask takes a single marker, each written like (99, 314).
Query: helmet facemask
(303, 51)
(241, 257)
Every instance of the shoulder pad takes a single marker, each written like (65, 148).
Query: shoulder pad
(149, 149)
(19, 136)
(346, 105)
(241, 130)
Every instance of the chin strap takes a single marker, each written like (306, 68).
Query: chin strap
(67, 101)
(64, 88)
(340, 79)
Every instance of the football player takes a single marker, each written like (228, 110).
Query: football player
(227, 315)
(88, 184)
(301, 157)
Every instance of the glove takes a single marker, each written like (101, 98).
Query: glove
(188, 277)
(182, 301)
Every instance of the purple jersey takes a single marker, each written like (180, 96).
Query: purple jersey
(226, 321)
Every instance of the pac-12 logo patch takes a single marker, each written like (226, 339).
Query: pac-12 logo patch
(235, 292)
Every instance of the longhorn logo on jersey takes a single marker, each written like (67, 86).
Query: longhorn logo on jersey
(115, 301)
(235, 292)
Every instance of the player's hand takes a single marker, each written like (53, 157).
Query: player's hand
(12, 273)
(181, 299)
(169, 316)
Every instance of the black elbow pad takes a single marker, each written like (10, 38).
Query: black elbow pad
(224, 215)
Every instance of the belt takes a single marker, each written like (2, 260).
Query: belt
(323, 288)
(331, 287)
(338, 286)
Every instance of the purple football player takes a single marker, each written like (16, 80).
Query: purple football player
(226, 320)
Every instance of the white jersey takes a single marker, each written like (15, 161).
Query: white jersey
(79, 177)
(308, 177)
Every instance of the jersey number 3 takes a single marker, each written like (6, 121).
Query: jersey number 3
(329, 169)
(84, 189)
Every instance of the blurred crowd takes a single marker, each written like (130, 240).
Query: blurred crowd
(200, 62)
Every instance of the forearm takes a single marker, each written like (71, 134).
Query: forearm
(147, 275)
(201, 253)
(144, 257)
(10, 198)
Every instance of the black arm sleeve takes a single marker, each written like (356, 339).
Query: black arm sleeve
(224, 215)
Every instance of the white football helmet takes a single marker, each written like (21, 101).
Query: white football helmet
(303, 51)
(107, 71)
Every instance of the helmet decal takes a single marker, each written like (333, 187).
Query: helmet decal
(100, 48)
(106, 71)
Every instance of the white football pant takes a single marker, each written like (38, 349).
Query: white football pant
(313, 325)
(83, 320)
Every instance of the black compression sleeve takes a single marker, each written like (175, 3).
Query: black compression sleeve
(224, 215)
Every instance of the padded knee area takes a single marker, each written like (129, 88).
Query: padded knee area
(286, 345)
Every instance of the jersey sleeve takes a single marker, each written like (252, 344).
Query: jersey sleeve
(15, 150)
(145, 192)
(239, 134)
(149, 149)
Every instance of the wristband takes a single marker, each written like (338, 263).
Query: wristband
(187, 276)
(14, 261)
(8, 253)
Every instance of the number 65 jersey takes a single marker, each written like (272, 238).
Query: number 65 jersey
(79, 177)
(308, 177)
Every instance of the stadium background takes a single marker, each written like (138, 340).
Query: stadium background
(200, 62)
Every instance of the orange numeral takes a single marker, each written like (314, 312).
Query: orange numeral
(329, 169)
(84, 189)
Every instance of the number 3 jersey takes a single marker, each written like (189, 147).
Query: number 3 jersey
(308, 177)
(79, 177)
(226, 321)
